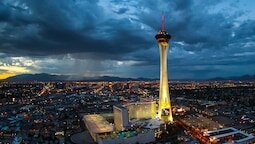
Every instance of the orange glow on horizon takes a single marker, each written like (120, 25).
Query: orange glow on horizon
(10, 70)
(5, 75)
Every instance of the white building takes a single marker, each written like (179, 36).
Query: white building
(121, 120)
(97, 126)
(142, 110)
(103, 132)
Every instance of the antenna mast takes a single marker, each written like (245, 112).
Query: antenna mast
(163, 23)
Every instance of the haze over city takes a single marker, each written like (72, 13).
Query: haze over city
(116, 38)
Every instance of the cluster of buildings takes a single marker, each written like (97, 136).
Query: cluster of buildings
(36, 118)
(149, 117)
(58, 113)
(134, 118)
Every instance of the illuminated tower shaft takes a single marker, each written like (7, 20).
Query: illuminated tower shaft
(164, 111)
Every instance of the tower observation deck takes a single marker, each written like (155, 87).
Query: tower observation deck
(164, 110)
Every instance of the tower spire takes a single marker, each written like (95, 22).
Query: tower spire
(163, 23)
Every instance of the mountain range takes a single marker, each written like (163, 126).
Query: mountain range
(243, 78)
(50, 77)
(44, 77)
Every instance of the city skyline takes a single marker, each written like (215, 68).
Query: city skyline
(96, 38)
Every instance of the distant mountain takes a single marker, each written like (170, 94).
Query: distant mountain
(36, 77)
(242, 78)
(44, 77)
(49, 77)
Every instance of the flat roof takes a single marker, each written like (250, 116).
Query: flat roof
(240, 135)
(97, 124)
(201, 122)
(149, 123)
(120, 107)
(226, 134)
(221, 131)
(141, 103)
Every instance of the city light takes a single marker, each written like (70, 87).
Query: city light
(106, 72)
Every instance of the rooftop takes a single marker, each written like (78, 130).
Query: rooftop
(237, 136)
(97, 124)
(120, 107)
(140, 103)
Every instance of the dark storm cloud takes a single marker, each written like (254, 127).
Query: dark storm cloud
(61, 28)
(68, 27)
(190, 22)
(246, 30)
(121, 10)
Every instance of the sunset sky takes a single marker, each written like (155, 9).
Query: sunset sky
(210, 38)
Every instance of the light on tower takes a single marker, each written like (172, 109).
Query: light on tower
(164, 111)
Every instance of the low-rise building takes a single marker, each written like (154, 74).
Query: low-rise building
(230, 135)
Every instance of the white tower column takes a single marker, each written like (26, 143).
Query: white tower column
(164, 110)
(164, 97)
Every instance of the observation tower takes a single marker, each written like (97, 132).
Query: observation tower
(164, 110)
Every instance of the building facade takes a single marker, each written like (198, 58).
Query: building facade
(121, 120)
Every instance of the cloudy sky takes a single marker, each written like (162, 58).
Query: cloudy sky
(210, 38)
